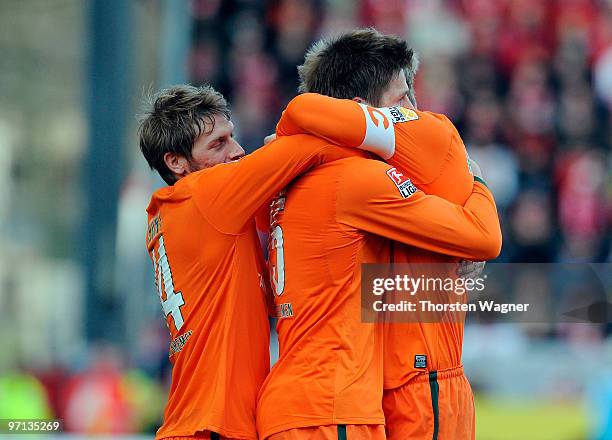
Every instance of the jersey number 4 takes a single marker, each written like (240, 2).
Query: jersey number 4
(277, 260)
(163, 280)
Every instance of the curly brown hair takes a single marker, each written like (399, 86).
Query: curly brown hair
(176, 118)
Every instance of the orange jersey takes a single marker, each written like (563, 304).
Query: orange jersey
(428, 147)
(425, 145)
(329, 222)
(210, 276)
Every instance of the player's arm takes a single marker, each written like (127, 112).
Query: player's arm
(377, 199)
(230, 194)
(340, 121)
(401, 136)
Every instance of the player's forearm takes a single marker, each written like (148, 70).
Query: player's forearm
(269, 169)
(339, 121)
(485, 224)
(471, 232)
(273, 166)
(387, 204)
(256, 178)
(428, 222)
(471, 242)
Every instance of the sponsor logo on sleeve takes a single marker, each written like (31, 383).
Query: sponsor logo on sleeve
(404, 185)
(402, 114)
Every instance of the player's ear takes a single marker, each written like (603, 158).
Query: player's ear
(359, 100)
(177, 164)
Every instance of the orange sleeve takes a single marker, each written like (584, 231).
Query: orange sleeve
(377, 198)
(230, 194)
(340, 121)
(423, 146)
(403, 137)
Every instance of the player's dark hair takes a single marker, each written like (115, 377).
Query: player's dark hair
(359, 63)
(176, 118)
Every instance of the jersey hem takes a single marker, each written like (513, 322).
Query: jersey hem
(308, 423)
(219, 430)
(414, 376)
(395, 384)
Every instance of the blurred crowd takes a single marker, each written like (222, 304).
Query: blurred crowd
(528, 84)
(105, 396)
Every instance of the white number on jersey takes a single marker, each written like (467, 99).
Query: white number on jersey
(277, 260)
(163, 280)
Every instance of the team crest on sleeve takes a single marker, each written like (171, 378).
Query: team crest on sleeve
(379, 134)
(404, 185)
(402, 114)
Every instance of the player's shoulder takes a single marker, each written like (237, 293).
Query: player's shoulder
(436, 118)
(362, 171)
(180, 190)
(185, 186)
(436, 127)
(414, 121)
(368, 181)
(192, 186)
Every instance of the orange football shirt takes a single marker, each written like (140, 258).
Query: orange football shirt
(428, 147)
(330, 221)
(211, 278)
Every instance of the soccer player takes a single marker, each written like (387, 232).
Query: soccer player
(209, 269)
(426, 393)
(328, 380)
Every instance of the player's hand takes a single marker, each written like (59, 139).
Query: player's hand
(476, 171)
(470, 269)
(269, 138)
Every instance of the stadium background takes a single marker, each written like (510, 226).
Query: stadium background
(527, 82)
